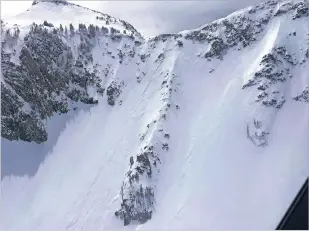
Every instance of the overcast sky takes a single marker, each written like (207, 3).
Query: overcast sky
(152, 17)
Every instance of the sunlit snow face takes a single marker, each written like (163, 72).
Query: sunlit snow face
(152, 17)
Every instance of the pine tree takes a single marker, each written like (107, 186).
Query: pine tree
(91, 30)
(71, 27)
(104, 30)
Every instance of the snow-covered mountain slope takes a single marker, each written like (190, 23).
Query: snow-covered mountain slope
(41, 60)
(62, 12)
(204, 129)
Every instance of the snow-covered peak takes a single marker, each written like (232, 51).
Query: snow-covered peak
(52, 1)
(260, 13)
(57, 12)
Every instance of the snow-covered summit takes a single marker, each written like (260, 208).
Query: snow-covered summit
(51, 1)
(62, 12)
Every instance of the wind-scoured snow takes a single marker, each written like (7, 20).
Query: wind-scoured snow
(227, 161)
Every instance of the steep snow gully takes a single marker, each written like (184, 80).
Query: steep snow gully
(204, 129)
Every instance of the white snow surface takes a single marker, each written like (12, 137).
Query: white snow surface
(212, 176)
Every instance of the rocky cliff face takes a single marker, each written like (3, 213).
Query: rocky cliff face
(47, 68)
